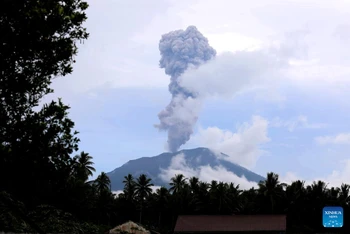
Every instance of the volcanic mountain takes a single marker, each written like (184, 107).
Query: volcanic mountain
(194, 158)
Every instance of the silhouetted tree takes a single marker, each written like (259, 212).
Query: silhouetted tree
(143, 190)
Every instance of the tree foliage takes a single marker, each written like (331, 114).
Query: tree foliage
(189, 196)
(38, 43)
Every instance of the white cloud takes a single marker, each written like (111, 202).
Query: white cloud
(206, 173)
(299, 122)
(289, 177)
(233, 41)
(120, 58)
(111, 73)
(242, 146)
(117, 192)
(334, 179)
(308, 72)
(154, 189)
(342, 32)
(230, 74)
(341, 138)
(263, 69)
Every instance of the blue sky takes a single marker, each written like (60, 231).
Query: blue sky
(296, 123)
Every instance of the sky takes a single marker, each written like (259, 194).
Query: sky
(275, 97)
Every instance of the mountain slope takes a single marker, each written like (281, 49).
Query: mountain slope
(151, 166)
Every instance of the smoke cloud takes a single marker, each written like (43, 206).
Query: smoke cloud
(180, 50)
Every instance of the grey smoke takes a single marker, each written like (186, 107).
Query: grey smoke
(180, 50)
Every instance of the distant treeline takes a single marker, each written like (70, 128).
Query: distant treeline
(302, 204)
(91, 207)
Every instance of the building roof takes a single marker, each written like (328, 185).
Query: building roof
(230, 223)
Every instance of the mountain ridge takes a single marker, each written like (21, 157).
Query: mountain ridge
(152, 166)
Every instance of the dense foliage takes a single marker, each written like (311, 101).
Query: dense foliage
(301, 203)
(37, 43)
(40, 183)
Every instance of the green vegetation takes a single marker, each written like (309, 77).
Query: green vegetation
(44, 189)
(301, 203)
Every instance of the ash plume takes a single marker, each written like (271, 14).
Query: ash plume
(180, 50)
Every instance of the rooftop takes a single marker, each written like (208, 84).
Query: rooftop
(230, 223)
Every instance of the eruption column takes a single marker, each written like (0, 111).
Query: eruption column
(179, 51)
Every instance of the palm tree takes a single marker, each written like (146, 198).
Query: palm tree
(177, 183)
(193, 187)
(233, 195)
(344, 194)
(102, 183)
(318, 190)
(82, 165)
(220, 194)
(271, 188)
(295, 202)
(162, 199)
(333, 195)
(129, 187)
(202, 197)
(213, 185)
(142, 190)
(317, 197)
(295, 190)
(234, 190)
(248, 202)
(194, 184)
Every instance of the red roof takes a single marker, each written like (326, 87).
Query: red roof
(230, 223)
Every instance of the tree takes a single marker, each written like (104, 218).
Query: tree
(143, 190)
(177, 183)
(104, 201)
(39, 159)
(234, 195)
(271, 188)
(203, 198)
(38, 43)
(102, 183)
(344, 194)
(129, 187)
(194, 184)
(82, 166)
(301, 204)
(162, 200)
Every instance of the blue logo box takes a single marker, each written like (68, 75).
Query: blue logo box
(333, 217)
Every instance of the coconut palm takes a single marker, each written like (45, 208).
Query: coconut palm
(220, 194)
(82, 166)
(194, 184)
(271, 188)
(102, 183)
(162, 199)
(143, 188)
(129, 187)
(177, 183)
(344, 194)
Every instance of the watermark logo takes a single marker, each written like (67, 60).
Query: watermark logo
(332, 217)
